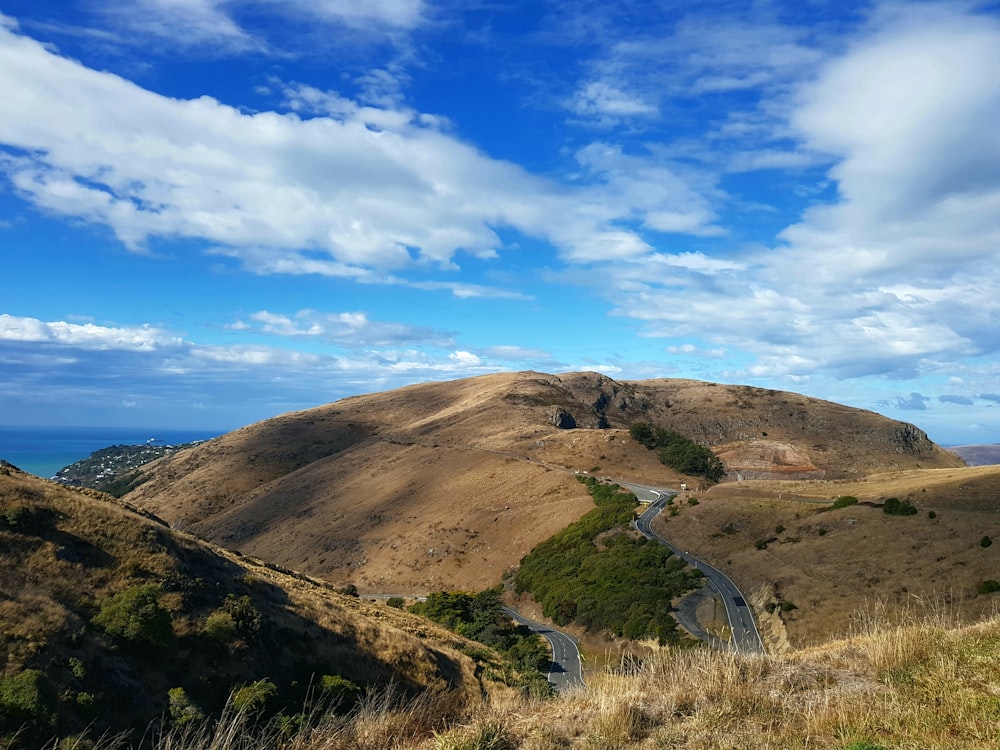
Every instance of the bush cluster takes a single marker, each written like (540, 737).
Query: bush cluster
(844, 501)
(678, 452)
(135, 616)
(893, 506)
(481, 617)
(599, 575)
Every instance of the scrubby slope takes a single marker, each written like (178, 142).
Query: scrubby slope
(103, 612)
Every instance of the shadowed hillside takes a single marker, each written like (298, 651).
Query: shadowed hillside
(112, 620)
(445, 485)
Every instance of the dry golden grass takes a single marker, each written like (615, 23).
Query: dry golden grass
(66, 552)
(448, 485)
(910, 685)
(829, 563)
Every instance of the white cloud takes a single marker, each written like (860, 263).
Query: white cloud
(350, 329)
(516, 353)
(899, 273)
(187, 23)
(88, 336)
(355, 189)
(465, 359)
(217, 25)
(402, 14)
(608, 104)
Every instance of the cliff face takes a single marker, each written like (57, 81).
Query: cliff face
(450, 484)
(758, 433)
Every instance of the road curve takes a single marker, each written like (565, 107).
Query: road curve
(566, 669)
(745, 636)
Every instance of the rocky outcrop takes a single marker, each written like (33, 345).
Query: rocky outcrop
(563, 419)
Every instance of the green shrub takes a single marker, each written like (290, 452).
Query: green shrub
(985, 542)
(182, 709)
(893, 506)
(931, 514)
(246, 616)
(24, 698)
(254, 697)
(692, 501)
(340, 691)
(396, 602)
(77, 667)
(844, 501)
(988, 587)
(220, 627)
(135, 615)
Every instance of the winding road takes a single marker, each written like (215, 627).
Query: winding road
(566, 669)
(744, 634)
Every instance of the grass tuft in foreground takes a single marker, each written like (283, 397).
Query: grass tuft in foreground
(896, 686)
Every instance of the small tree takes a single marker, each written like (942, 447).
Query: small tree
(135, 615)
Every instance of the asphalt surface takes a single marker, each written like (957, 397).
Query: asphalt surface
(566, 669)
(745, 636)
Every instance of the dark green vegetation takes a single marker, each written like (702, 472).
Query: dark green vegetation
(600, 574)
(481, 617)
(678, 452)
(893, 506)
(844, 501)
(110, 622)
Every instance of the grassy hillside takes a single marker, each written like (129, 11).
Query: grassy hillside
(111, 620)
(786, 542)
(893, 685)
(449, 485)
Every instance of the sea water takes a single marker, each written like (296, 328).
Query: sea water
(45, 450)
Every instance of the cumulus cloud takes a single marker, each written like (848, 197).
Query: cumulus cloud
(342, 189)
(897, 273)
(87, 336)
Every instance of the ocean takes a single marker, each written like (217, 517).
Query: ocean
(44, 450)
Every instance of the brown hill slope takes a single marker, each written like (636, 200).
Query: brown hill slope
(784, 540)
(979, 455)
(447, 485)
(103, 611)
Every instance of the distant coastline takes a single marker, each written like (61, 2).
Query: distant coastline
(44, 450)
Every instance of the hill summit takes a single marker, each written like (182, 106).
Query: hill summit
(449, 484)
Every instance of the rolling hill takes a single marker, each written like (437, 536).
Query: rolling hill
(448, 485)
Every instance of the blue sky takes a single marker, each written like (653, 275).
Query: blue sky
(216, 211)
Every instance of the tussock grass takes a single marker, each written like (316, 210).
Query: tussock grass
(895, 685)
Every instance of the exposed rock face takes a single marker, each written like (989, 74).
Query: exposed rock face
(563, 420)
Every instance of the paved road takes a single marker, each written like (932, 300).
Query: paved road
(566, 670)
(745, 636)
